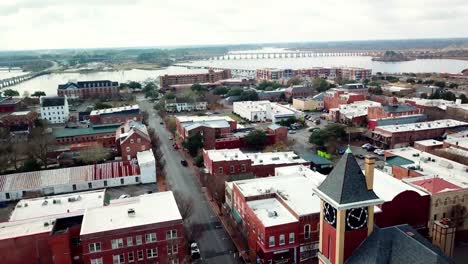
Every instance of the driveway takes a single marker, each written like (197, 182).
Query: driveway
(215, 244)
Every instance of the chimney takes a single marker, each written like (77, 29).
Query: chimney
(122, 130)
(369, 171)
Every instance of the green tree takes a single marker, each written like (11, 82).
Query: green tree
(150, 90)
(134, 85)
(376, 90)
(100, 105)
(221, 90)
(294, 81)
(169, 96)
(248, 95)
(441, 84)
(331, 132)
(38, 94)
(30, 164)
(453, 85)
(198, 160)
(411, 80)
(10, 92)
(256, 139)
(288, 122)
(198, 88)
(320, 84)
(235, 92)
(263, 85)
(193, 144)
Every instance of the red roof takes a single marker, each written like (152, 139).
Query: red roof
(436, 185)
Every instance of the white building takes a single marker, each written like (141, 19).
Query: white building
(54, 109)
(174, 106)
(47, 182)
(260, 111)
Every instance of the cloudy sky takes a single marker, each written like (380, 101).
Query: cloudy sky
(50, 24)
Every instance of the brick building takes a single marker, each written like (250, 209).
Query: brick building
(354, 113)
(261, 164)
(116, 115)
(274, 134)
(398, 120)
(132, 137)
(394, 109)
(89, 89)
(211, 76)
(103, 134)
(211, 128)
(19, 121)
(406, 134)
(335, 98)
(9, 104)
(350, 73)
(79, 228)
(297, 91)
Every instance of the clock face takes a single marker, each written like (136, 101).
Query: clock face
(329, 214)
(356, 218)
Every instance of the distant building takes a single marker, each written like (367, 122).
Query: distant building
(397, 90)
(355, 113)
(47, 182)
(54, 109)
(173, 106)
(103, 134)
(458, 112)
(19, 121)
(89, 89)
(349, 73)
(335, 98)
(403, 135)
(234, 161)
(132, 137)
(393, 109)
(356, 88)
(397, 120)
(309, 103)
(274, 134)
(297, 91)
(274, 95)
(9, 104)
(210, 77)
(116, 115)
(260, 111)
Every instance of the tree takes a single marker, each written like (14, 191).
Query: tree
(170, 96)
(263, 85)
(41, 143)
(221, 90)
(100, 105)
(171, 124)
(235, 92)
(463, 98)
(249, 95)
(94, 155)
(331, 132)
(376, 90)
(294, 81)
(441, 84)
(198, 161)
(320, 84)
(30, 164)
(150, 90)
(256, 139)
(198, 88)
(288, 122)
(10, 92)
(411, 80)
(453, 85)
(134, 85)
(185, 204)
(193, 144)
(38, 94)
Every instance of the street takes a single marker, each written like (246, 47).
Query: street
(215, 244)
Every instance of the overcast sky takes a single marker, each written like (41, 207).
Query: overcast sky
(51, 24)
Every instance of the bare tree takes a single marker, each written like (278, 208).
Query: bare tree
(185, 205)
(40, 143)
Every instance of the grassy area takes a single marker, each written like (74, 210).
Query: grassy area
(235, 117)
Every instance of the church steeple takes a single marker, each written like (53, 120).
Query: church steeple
(347, 212)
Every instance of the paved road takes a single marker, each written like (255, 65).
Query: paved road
(215, 244)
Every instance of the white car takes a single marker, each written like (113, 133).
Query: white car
(194, 251)
(366, 145)
(124, 196)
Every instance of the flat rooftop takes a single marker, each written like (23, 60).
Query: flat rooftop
(432, 166)
(253, 106)
(444, 123)
(115, 110)
(458, 139)
(358, 108)
(209, 123)
(149, 209)
(266, 158)
(21, 113)
(57, 205)
(184, 119)
(226, 154)
(271, 212)
(429, 142)
(26, 227)
(282, 110)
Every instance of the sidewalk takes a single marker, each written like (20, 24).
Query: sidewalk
(231, 230)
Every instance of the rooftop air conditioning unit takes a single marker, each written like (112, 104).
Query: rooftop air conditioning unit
(131, 212)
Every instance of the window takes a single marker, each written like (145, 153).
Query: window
(220, 170)
(152, 253)
(171, 234)
(306, 231)
(96, 261)
(118, 259)
(129, 241)
(150, 238)
(139, 240)
(140, 254)
(127, 149)
(131, 141)
(131, 257)
(272, 241)
(90, 185)
(129, 157)
(138, 140)
(95, 247)
(74, 187)
(143, 147)
(122, 181)
(172, 249)
(137, 179)
(232, 169)
(243, 169)
(291, 238)
(105, 183)
(282, 239)
(7, 196)
(117, 243)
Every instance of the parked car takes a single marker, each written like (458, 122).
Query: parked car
(124, 196)
(292, 132)
(380, 152)
(371, 148)
(360, 156)
(161, 123)
(194, 251)
(184, 163)
(365, 146)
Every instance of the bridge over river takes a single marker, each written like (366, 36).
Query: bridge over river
(291, 54)
(20, 78)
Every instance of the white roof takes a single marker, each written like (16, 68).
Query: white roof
(226, 154)
(387, 187)
(395, 88)
(440, 103)
(58, 205)
(429, 142)
(461, 106)
(281, 110)
(271, 212)
(458, 139)
(265, 158)
(149, 209)
(20, 113)
(25, 227)
(444, 123)
(184, 119)
(253, 105)
(114, 110)
(144, 157)
(358, 108)
(431, 166)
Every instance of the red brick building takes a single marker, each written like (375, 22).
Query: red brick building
(392, 110)
(132, 137)
(233, 161)
(335, 98)
(115, 115)
(126, 231)
(406, 134)
(210, 77)
(274, 133)
(103, 134)
(89, 89)
(9, 104)
(298, 91)
(19, 121)
(211, 128)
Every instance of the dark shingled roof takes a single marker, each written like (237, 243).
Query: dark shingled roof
(397, 245)
(399, 108)
(88, 84)
(346, 182)
(53, 101)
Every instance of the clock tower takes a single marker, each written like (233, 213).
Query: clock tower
(347, 208)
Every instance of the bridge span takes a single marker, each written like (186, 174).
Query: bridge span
(290, 54)
(21, 78)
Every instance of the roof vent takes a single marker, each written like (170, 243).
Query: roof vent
(56, 201)
(46, 223)
(26, 204)
(131, 212)
(44, 203)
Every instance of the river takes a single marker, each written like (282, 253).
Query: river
(49, 83)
